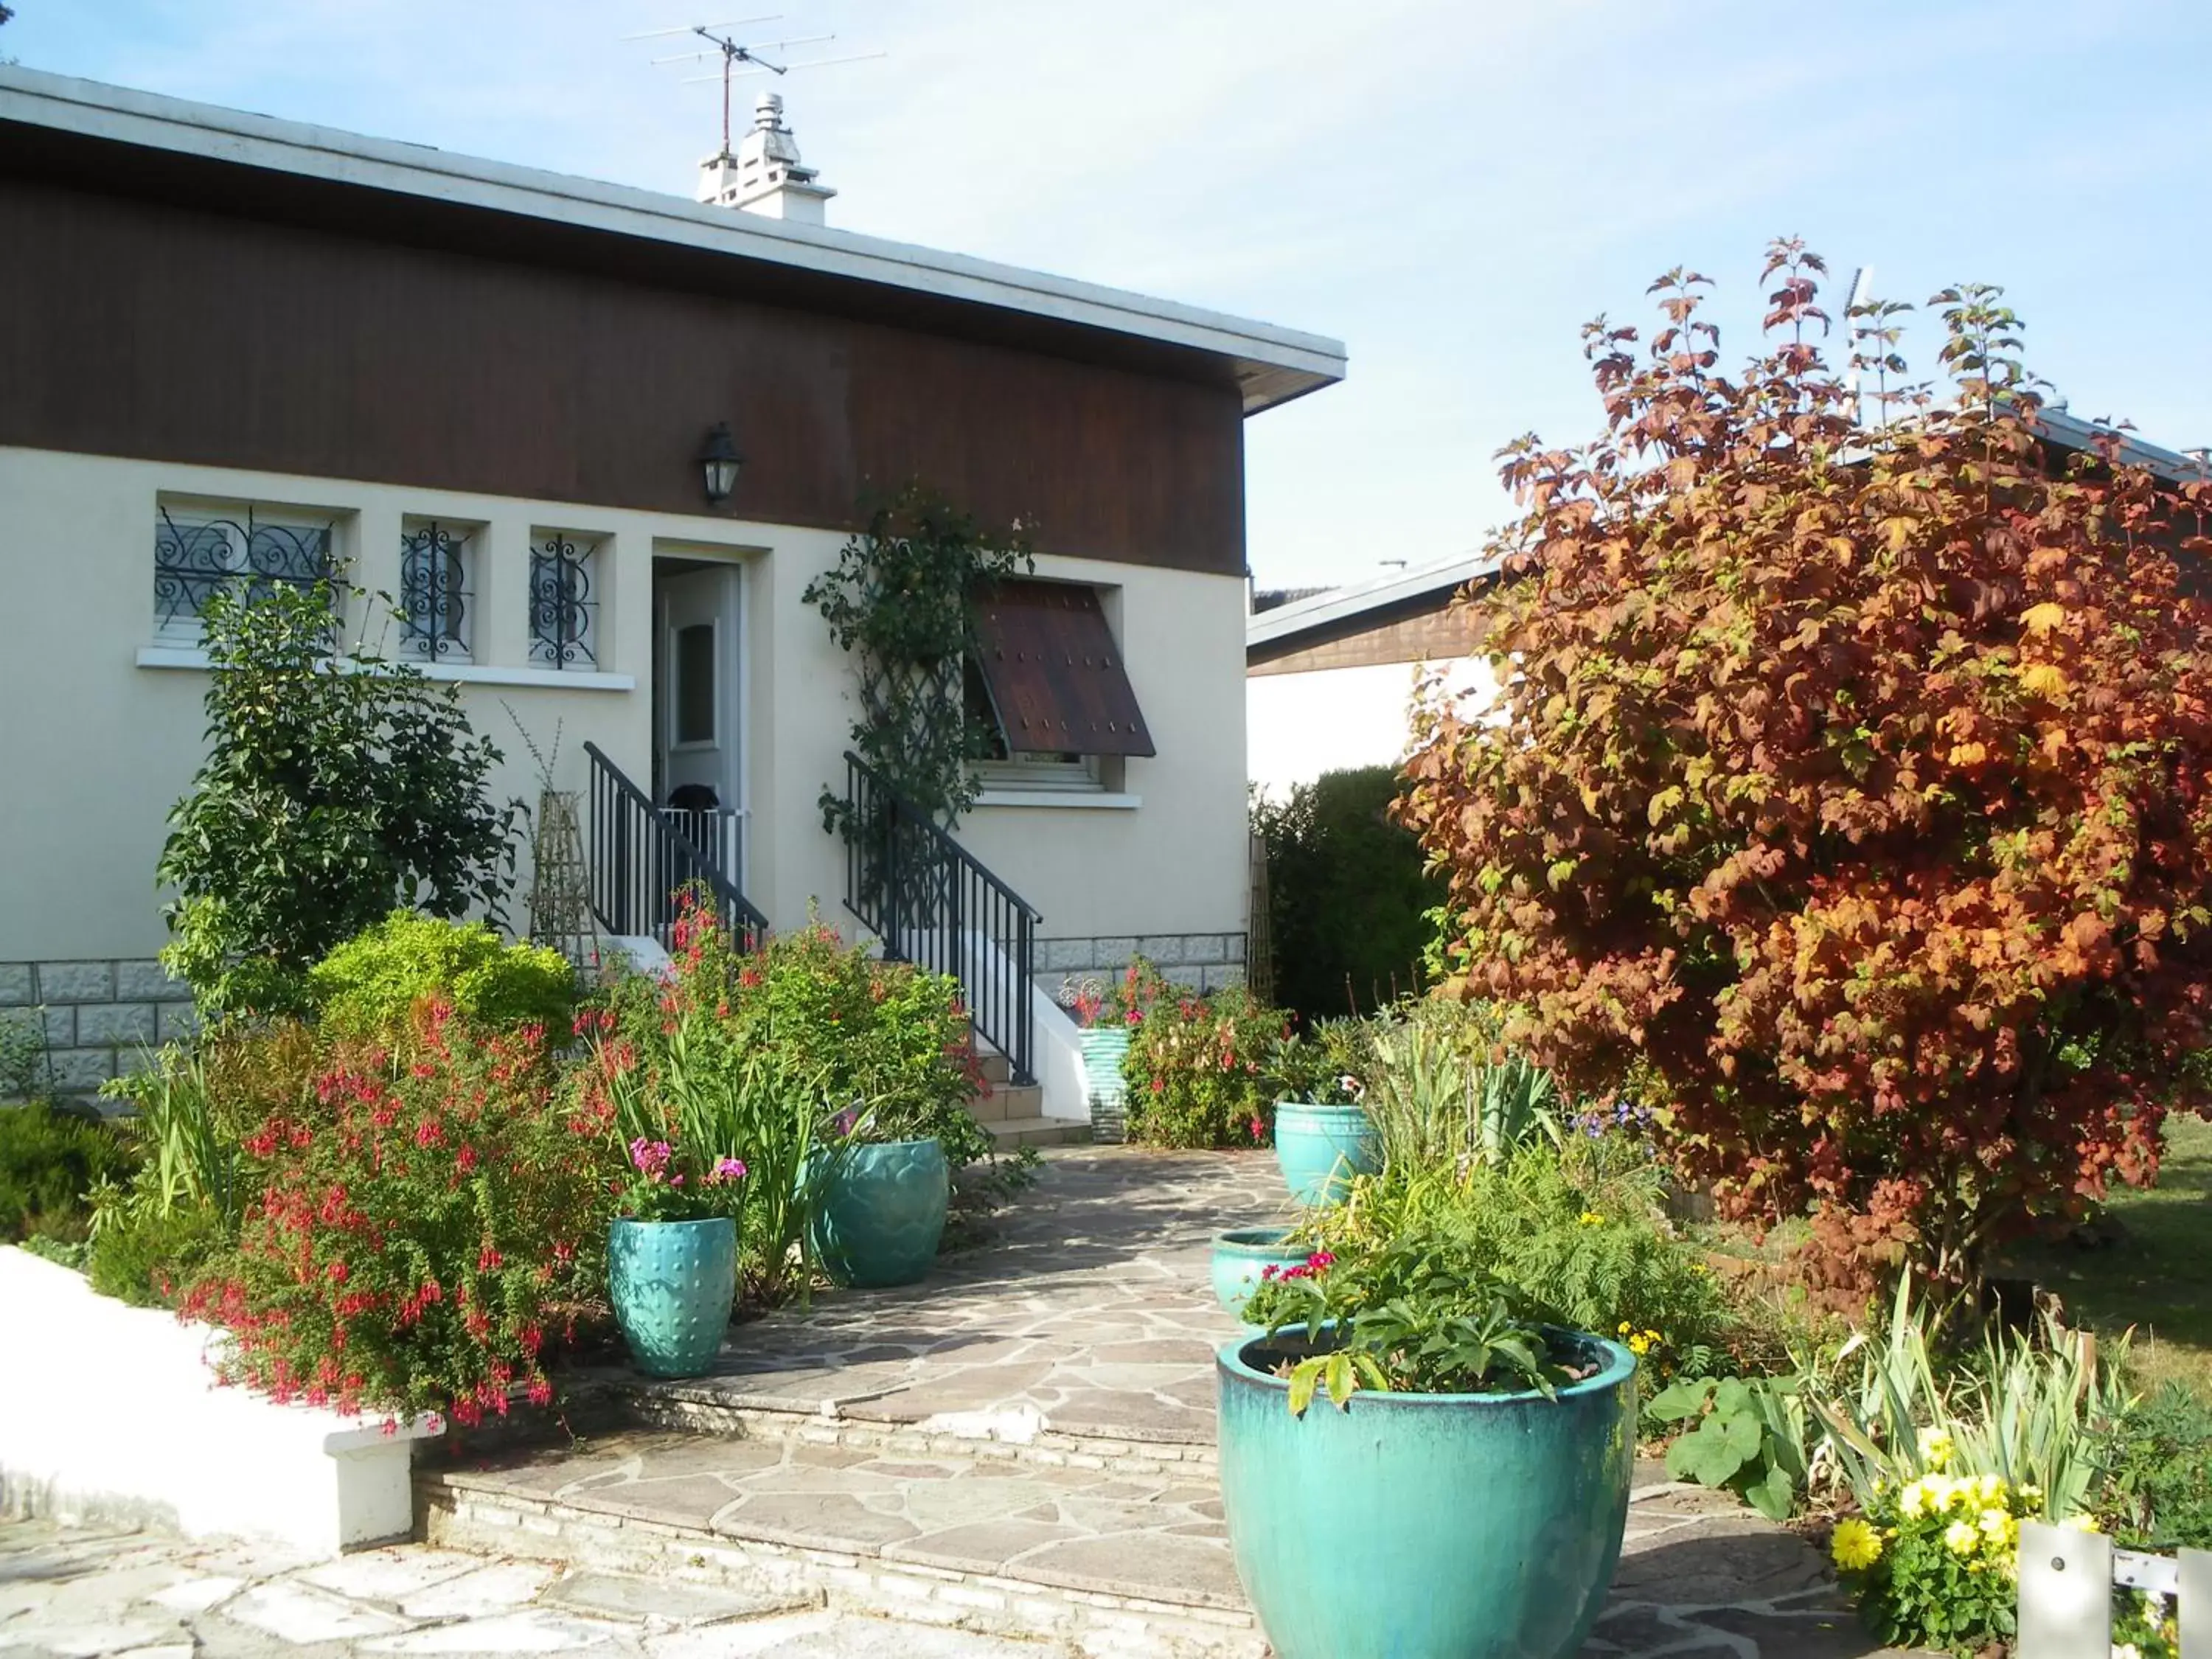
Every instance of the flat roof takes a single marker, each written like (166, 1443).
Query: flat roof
(1269, 365)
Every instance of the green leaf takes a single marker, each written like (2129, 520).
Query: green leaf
(1773, 1495)
(1682, 1398)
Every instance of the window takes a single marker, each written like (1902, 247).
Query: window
(437, 563)
(695, 685)
(563, 607)
(1048, 679)
(202, 549)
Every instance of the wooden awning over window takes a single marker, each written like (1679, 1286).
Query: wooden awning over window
(1055, 673)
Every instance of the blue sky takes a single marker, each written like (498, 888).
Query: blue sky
(1451, 189)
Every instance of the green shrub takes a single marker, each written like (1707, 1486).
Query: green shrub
(149, 1259)
(1200, 1070)
(2159, 1491)
(50, 1160)
(23, 1071)
(369, 986)
(336, 786)
(1347, 903)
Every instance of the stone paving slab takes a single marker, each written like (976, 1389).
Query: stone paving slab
(1090, 1313)
(67, 1593)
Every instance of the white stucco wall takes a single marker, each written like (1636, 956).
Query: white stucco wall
(1300, 726)
(94, 747)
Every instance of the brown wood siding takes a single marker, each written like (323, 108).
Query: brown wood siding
(136, 328)
(1429, 637)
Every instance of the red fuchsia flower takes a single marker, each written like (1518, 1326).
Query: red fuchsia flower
(1160, 1085)
(1259, 1129)
(337, 1272)
(1134, 1017)
(721, 1010)
(540, 1392)
(430, 1133)
(465, 1159)
(1321, 1260)
(487, 1258)
(1269, 1270)
(749, 978)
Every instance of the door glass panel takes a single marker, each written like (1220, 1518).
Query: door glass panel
(694, 684)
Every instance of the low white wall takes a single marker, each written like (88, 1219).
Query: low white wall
(110, 1413)
(1331, 719)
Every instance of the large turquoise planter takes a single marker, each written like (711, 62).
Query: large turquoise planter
(1240, 1258)
(1321, 1148)
(882, 1213)
(1428, 1526)
(672, 1282)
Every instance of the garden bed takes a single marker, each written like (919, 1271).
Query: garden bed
(111, 1413)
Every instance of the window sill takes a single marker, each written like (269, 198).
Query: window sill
(1082, 799)
(191, 656)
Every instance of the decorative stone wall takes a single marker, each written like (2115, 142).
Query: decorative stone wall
(1205, 962)
(99, 1017)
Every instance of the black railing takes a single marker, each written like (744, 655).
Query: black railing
(933, 904)
(642, 857)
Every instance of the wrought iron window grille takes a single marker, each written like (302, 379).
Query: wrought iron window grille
(563, 614)
(436, 599)
(199, 555)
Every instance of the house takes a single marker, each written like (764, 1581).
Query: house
(1329, 673)
(598, 440)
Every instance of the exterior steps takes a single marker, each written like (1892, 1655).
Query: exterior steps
(1111, 1565)
(1012, 1134)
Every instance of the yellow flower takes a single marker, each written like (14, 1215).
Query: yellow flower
(1639, 1343)
(1913, 1502)
(2000, 1528)
(1935, 1448)
(1700, 1268)
(1962, 1538)
(2082, 1523)
(1592, 1218)
(1855, 1546)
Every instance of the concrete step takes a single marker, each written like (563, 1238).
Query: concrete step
(996, 1067)
(1013, 1133)
(1002, 1101)
(1114, 1567)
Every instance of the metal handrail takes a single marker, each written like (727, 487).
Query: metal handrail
(640, 861)
(933, 903)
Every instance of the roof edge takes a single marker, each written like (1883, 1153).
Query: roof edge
(1323, 610)
(1277, 364)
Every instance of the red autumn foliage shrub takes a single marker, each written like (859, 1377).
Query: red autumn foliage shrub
(1848, 778)
(424, 1231)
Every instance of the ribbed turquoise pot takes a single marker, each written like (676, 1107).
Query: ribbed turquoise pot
(1428, 1526)
(882, 1213)
(1321, 1148)
(671, 1283)
(1239, 1259)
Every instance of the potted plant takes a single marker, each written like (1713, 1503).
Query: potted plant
(1411, 1469)
(1243, 1256)
(1105, 1014)
(672, 1257)
(881, 1186)
(1323, 1134)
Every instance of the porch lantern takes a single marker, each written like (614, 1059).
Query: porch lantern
(719, 461)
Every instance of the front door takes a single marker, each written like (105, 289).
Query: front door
(697, 776)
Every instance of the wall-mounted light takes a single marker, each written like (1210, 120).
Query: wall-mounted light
(719, 461)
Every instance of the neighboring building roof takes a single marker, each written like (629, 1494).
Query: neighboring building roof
(1337, 613)
(119, 131)
(2070, 431)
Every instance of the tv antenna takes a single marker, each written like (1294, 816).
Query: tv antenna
(732, 52)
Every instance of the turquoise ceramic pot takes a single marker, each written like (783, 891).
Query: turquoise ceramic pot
(1428, 1525)
(671, 1283)
(1240, 1258)
(1321, 1148)
(882, 1213)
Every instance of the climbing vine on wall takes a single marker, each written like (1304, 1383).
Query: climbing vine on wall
(902, 601)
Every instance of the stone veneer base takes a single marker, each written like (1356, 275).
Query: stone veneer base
(1203, 962)
(98, 1016)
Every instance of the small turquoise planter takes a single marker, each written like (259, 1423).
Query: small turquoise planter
(1428, 1525)
(1240, 1258)
(882, 1213)
(1321, 1148)
(1104, 1048)
(672, 1282)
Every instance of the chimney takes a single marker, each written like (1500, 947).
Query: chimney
(764, 176)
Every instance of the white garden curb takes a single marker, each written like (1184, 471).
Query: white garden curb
(111, 1413)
